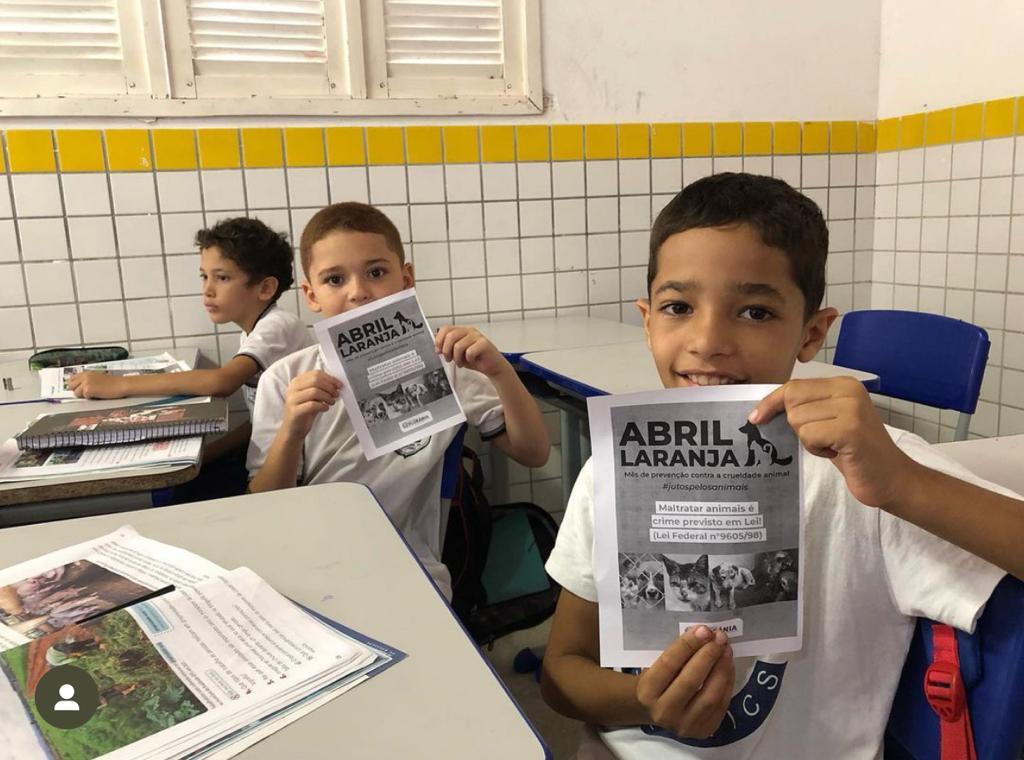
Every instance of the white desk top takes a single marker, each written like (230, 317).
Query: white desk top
(517, 337)
(14, 417)
(629, 367)
(335, 551)
(999, 460)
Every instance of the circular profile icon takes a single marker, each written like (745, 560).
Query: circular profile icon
(66, 697)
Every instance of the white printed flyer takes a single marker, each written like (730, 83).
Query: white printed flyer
(394, 384)
(697, 519)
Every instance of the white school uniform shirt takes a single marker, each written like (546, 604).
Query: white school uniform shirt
(867, 576)
(276, 334)
(406, 483)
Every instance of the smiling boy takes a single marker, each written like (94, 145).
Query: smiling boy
(735, 280)
(352, 255)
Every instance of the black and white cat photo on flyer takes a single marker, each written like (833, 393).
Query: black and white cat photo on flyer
(697, 519)
(384, 354)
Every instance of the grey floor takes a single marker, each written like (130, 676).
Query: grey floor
(559, 733)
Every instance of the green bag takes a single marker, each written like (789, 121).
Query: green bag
(66, 357)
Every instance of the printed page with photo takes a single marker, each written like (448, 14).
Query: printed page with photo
(395, 386)
(43, 595)
(180, 672)
(38, 464)
(698, 519)
(54, 380)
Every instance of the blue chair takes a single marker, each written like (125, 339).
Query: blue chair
(992, 670)
(924, 358)
(450, 470)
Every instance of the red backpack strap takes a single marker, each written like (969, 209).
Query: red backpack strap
(944, 690)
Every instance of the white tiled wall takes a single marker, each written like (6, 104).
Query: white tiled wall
(949, 239)
(108, 257)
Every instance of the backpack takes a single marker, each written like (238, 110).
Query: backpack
(496, 558)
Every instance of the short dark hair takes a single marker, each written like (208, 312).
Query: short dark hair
(784, 218)
(254, 247)
(349, 216)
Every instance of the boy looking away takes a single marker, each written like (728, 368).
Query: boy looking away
(244, 267)
(352, 255)
(736, 277)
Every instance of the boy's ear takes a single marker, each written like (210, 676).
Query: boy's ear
(644, 305)
(307, 291)
(408, 278)
(815, 332)
(267, 288)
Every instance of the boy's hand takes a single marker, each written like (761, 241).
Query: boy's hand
(467, 347)
(688, 688)
(308, 395)
(834, 418)
(95, 385)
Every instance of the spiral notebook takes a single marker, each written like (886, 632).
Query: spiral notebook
(124, 424)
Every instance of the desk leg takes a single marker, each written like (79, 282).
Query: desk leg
(571, 453)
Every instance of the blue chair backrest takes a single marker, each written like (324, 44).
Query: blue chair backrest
(992, 667)
(452, 464)
(926, 358)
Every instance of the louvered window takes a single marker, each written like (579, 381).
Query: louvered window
(448, 48)
(269, 57)
(245, 48)
(69, 47)
(432, 39)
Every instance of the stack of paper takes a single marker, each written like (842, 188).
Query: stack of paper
(54, 380)
(217, 662)
(41, 464)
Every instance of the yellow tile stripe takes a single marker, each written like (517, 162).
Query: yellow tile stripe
(125, 150)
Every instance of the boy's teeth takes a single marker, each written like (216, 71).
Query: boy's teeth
(710, 379)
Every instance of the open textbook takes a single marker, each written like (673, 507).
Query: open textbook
(697, 519)
(394, 384)
(38, 464)
(216, 661)
(54, 380)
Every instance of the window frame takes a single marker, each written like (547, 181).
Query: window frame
(158, 75)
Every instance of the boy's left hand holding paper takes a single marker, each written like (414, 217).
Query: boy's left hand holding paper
(467, 347)
(835, 418)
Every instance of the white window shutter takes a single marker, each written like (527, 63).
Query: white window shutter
(242, 48)
(63, 47)
(448, 49)
(426, 38)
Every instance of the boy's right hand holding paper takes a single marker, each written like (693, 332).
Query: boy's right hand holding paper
(308, 395)
(688, 688)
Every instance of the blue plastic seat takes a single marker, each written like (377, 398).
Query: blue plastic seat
(992, 669)
(925, 358)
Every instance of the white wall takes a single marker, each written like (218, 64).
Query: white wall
(693, 60)
(670, 60)
(941, 53)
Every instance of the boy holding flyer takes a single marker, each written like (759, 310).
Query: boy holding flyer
(352, 257)
(735, 281)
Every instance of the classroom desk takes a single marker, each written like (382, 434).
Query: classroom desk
(516, 337)
(73, 496)
(620, 368)
(335, 551)
(999, 460)
(521, 336)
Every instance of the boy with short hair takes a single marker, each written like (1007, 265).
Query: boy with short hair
(244, 267)
(735, 280)
(352, 255)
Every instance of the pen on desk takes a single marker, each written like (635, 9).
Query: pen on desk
(144, 598)
(31, 401)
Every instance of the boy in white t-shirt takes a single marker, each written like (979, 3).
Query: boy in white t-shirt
(244, 267)
(735, 280)
(352, 254)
